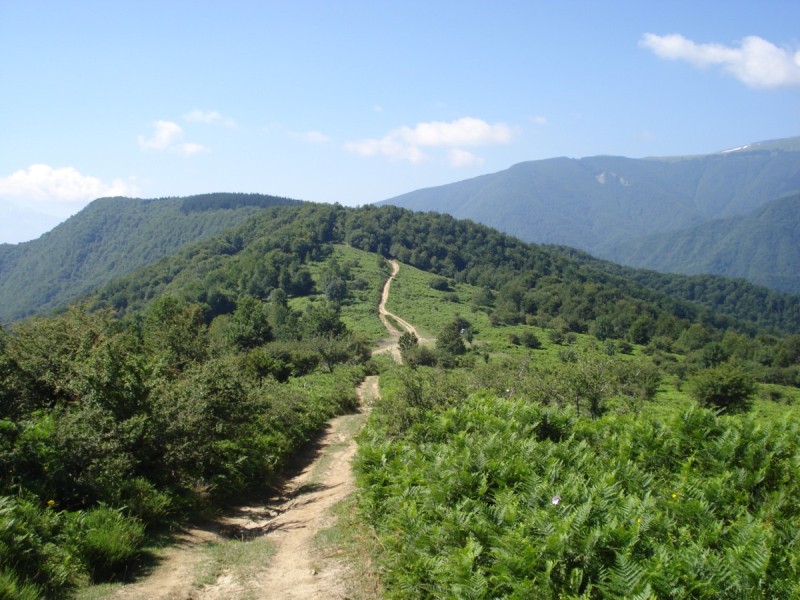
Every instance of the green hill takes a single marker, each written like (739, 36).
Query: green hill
(111, 237)
(268, 252)
(600, 202)
(761, 247)
(556, 412)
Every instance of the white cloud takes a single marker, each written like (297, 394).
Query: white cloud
(466, 131)
(538, 120)
(404, 143)
(167, 135)
(756, 62)
(462, 158)
(208, 116)
(65, 185)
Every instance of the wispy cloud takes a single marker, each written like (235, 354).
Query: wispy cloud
(210, 117)
(44, 186)
(756, 62)
(538, 120)
(406, 143)
(311, 137)
(387, 146)
(168, 136)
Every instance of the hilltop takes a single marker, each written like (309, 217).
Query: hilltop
(108, 238)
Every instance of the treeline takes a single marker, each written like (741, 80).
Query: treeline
(734, 298)
(220, 201)
(109, 238)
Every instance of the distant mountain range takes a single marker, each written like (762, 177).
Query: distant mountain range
(109, 238)
(762, 247)
(611, 206)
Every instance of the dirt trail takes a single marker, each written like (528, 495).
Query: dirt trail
(390, 345)
(289, 521)
(296, 570)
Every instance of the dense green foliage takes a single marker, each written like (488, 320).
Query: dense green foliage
(724, 387)
(111, 428)
(598, 202)
(760, 247)
(565, 291)
(111, 237)
(733, 298)
(480, 495)
(192, 380)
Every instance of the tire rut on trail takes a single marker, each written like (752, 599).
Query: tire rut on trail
(289, 521)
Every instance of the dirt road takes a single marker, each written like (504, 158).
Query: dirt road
(386, 317)
(280, 556)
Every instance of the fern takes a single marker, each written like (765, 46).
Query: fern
(624, 578)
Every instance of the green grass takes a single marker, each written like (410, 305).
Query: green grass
(412, 298)
(360, 308)
(354, 543)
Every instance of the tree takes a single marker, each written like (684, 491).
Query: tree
(451, 339)
(726, 387)
(408, 341)
(249, 325)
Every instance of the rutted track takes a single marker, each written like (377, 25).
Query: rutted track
(289, 521)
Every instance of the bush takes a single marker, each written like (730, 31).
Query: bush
(440, 284)
(110, 542)
(725, 387)
(529, 340)
(144, 501)
(420, 356)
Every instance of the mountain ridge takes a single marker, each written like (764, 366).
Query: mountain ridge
(596, 202)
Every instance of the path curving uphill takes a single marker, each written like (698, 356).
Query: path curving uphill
(390, 346)
(290, 521)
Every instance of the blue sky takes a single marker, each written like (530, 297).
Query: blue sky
(355, 102)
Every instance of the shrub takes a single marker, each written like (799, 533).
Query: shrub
(144, 501)
(440, 284)
(33, 551)
(11, 588)
(421, 356)
(725, 387)
(110, 542)
(529, 340)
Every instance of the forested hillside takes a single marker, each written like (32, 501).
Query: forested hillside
(598, 203)
(528, 279)
(187, 383)
(111, 237)
(736, 298)
(761, 247)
